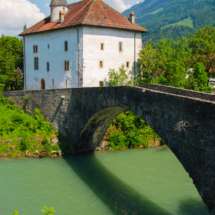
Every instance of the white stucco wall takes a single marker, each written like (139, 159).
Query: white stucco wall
(55, 55)
(111, 56)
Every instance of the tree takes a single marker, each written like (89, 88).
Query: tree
(165, 64)
(120, 78)
(11, 62)
(202, 44)
(198, 80)
(25, 27)
(147, 64)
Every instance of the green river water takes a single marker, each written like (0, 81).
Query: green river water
(135, 182)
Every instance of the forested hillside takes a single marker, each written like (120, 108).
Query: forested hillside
(173, 18)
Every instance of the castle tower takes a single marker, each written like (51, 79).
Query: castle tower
(57, 6)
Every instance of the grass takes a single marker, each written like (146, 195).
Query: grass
(154, 12)
(186, 22)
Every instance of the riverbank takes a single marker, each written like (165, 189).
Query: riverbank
(23, 135)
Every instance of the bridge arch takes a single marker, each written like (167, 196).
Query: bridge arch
(93, 132)
(184, 119)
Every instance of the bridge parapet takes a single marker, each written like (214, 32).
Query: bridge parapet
(181, 92)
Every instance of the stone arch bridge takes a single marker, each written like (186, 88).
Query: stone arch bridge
(184, 119)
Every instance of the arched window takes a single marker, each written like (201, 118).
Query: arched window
(43, 84)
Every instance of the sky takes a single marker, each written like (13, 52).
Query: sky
(15, 13)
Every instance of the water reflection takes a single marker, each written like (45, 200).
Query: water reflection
(190, 206)
(117, 195)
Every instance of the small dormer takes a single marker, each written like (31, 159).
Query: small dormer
(57, 6)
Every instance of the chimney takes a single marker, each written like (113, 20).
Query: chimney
(61, 16)
(132, 17)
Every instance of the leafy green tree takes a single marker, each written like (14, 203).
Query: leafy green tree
(202, 44)
(166, 64)
(120, 78)
(11, 62)
(198, 80)
(147, 64)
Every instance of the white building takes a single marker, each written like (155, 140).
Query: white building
(78, 44)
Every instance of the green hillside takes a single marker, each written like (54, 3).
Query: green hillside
(173, 18)
(186, 22)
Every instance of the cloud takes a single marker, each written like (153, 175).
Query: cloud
(119, 5)
(14, 13)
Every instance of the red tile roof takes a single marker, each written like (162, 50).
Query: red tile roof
(87, 12)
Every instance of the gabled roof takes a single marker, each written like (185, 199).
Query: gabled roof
(87, 12)
(59, 2)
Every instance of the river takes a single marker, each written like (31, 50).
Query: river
(136, 182)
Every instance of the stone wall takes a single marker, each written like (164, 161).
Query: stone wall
(186, 123)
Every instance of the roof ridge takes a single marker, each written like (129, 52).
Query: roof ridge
(92, 1)
(80, 9)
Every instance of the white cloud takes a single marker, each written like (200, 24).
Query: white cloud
(118, 5)
(14, 13)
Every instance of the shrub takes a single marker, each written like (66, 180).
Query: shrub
(3, 100)
(48, 211)
(26, 97)
(11, 100)
(129, 131)
(27, 132)
(2, 87)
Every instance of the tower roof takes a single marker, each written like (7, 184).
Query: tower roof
(87, 13)
(59, 2)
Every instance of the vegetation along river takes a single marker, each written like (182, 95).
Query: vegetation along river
(144, 181)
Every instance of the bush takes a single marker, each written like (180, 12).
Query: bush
(2, 87)
(48, 211)
(129, 131)
(3, 100)
(26, 132)
(26, 97)
(11, 100)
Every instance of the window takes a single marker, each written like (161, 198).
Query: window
(36, 63)
(66, 65)
(35, 49)
(127, 64)
(120, 47)
(53, 82)
(66, 83)
(101, 83)
(47, 66)
(102, 46)
(66, 46)
(101, 64)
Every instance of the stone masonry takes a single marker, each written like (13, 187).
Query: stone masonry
(184, 119)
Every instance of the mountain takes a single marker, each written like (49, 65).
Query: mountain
(172, 18)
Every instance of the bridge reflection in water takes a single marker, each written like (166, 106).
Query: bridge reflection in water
(121, 198)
